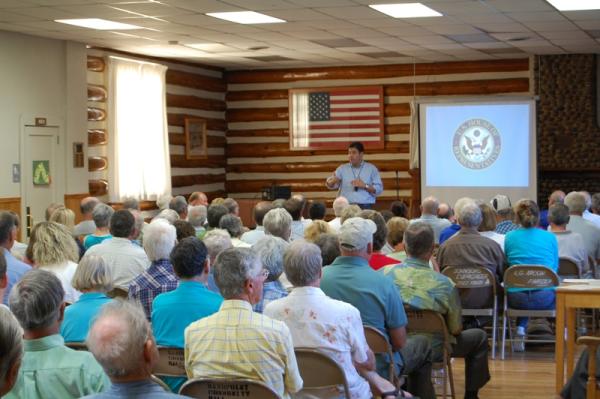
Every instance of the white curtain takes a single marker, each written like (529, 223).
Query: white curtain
(414, 136)
(139, 164)
(300, 120)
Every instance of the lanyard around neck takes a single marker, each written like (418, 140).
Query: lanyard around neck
(359, 170)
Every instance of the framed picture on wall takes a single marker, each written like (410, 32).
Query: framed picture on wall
(329, 118)
(195, 138)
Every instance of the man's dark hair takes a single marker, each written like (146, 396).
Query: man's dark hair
(214, 213)
(358, 145)
(188, 257)
(380, 235)
(7, 223)
(418, 239)
(387, 215)
(294, 208)
(559, 214)
(260, 210)
(122, 223)
(178, 204)
(399, 209)
(184, 229)
(317, 211)
(231, 205)
(330, 247)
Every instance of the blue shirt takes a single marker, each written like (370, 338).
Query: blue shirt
(505, 226)
(449, 232)
(366, 172)
(91, 240)
(272, 291)
(531, 246)
(173, 311)
(135, 390)
(159, 278)
(80, 315)
(15, 269)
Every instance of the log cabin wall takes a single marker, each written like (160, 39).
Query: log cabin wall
(567, 127)
(257, 114)
(192, 91)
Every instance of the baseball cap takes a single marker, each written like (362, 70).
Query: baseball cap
(500, 202)
(356, 233)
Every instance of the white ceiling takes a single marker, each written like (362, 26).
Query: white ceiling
(318, 32)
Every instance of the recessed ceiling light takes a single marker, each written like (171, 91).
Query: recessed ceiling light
(246, 17)
(575, 5)
(97, 23)
(407, 10)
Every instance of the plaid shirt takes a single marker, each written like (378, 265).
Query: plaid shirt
(505, 226)
(157, 279)
(272, 290)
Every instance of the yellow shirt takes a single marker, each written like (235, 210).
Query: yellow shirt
(239, 343)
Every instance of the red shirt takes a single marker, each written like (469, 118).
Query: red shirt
(379, 260)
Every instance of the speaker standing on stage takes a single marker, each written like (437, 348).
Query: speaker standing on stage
(357, 180)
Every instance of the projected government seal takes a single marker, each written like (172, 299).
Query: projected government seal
(476, 143)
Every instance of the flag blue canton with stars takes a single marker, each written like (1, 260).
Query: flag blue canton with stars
(318, 105)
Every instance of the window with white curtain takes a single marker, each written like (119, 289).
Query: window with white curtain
(139, 164)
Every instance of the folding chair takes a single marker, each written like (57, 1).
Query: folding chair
(430, 322)
(592, 388)
(160, 382)
(529, 277)
(78, 346)
(227, 389)
(170, 363)
(471, 277)
(380, 345)
(568, 268)
(319, 372)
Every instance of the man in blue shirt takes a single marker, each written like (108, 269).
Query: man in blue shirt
(350, 279)
(15, 269)
(173, 311)
(358, 181)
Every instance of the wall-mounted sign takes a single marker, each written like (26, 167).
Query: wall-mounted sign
(41, 173)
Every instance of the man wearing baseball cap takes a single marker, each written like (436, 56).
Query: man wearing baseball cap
(504, 214)
(350, 279)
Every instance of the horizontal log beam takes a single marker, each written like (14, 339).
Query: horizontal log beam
(97, 137)
(252, 186)
(375, 71)
(252, 95)
(283, 149)
(195, 81)
(258, 114)
(400, 128)
(211, 123)
(97, 163)
(95, 64)
(190, 180)
(308, 167)
(211, 141)
(213, 161)
(396, 110)
(98, 188)
(463, 87)
(259, 133)
(194, 102)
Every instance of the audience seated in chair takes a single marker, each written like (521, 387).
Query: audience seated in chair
(429, 215)
(15, 269)
(330, 326)
(570, 244)
(232, 206)
(258, 214)
(469, 248)
(329, 244)
(270, 250)
(121, 341)
(173, 311)
(317, 211)
(396, 227)
(214, 213)
(216, 241)
(278, 223)
(49, 369)
(504, 214)
(87, 225)
(93, 279)
(236, 342)
(197, 218)
(557, 197)
(183, 229)
(315, 229)
(590, 233)
(159, 240)
(101, 215)
(235, 228)
(11, 350)
(294, 208)
(451, 230)
(422, 288)
(487, 228)
(125, 259)
(378, 259)
(179, 205)
(350, 279)
(339, 204)
(530, 246)
(198, 198)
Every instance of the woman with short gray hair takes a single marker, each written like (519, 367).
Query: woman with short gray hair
(101, 215)
(94, 279)
(11, 350)
(271, 249)
(235, 228)
(278, 222)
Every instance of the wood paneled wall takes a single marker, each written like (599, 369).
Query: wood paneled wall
(257, 114)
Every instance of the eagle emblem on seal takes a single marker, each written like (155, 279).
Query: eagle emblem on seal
(476, 143)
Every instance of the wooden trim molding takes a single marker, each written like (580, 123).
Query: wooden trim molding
(95, 64)
(12, 204)
(72, 201)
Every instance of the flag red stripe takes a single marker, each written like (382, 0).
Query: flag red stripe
(357, 109)
(333, 100)
(357, 126)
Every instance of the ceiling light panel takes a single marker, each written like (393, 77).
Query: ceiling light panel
(407, 10)
(97, 23)
(575, 5)
(245, 17)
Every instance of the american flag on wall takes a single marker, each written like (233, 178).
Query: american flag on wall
(330, 118)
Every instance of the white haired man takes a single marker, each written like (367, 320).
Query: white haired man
(429, 215)
(87, 225)
(159, 240)
(339, 204)
(49, 369)
(236, 342)
(11, 350)
(121, 341)
(258, 213)
(590, 233)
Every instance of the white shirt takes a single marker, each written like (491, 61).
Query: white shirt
(335, 224)
(589, 232)
(251, 237)
(499, 238)
(592, 217)
(65, 272)
(297, 230)
(125, 259)
(84, 228)
(237, 243)
(333, 327)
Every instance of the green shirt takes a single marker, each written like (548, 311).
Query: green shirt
(426, 289)
(51, 370)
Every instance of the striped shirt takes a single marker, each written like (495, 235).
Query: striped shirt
(236, 342)
(159, 278)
